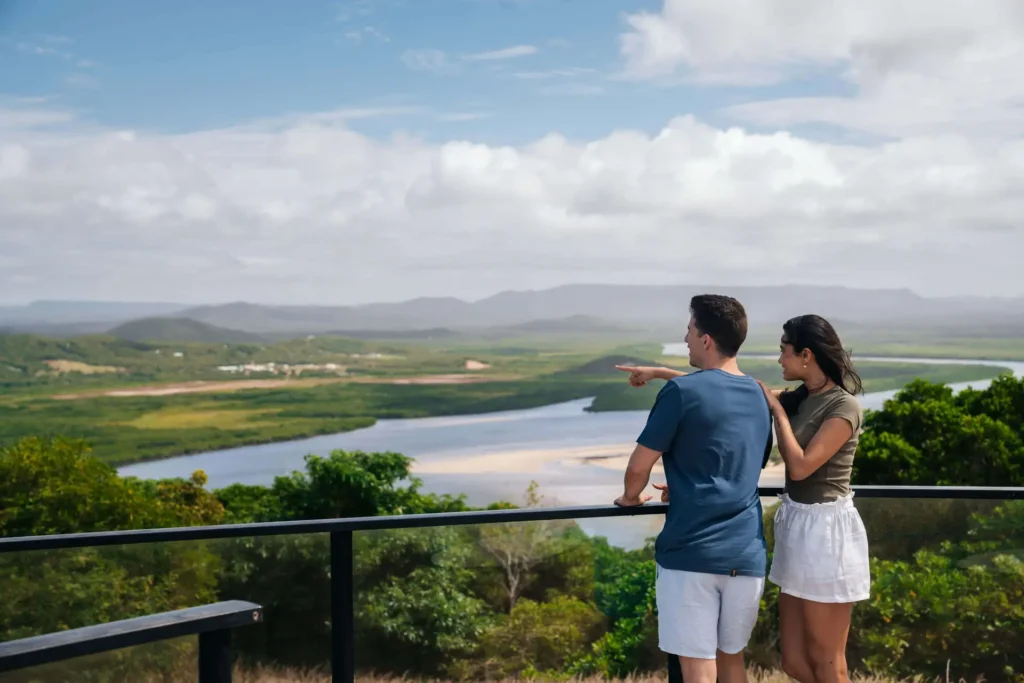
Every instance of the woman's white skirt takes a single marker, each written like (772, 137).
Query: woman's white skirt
(821, 551)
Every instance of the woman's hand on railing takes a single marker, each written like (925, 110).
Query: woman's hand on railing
(664, 491)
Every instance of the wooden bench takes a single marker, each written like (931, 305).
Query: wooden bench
(212, 623)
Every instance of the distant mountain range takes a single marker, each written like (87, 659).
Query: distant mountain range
(181, 330)
(78, 312)
(570, 309)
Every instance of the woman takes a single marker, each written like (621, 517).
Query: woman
(821, 550)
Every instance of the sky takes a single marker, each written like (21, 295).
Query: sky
(379, 150)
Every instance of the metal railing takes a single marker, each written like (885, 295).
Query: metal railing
(341, 530)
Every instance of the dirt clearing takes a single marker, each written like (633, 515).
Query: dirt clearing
(61, 366)
(201, 387)
(210, 387)
(425, 379)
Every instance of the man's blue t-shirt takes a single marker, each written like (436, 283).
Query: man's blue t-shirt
(712, 428)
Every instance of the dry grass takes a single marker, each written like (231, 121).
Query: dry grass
(260, 674)
(267, 675)
(275, 675)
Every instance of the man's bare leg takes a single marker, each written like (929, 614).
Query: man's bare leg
(731, 668)
(698, 670)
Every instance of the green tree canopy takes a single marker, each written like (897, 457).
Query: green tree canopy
(927, 435)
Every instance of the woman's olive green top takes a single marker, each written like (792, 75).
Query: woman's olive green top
(832, 479)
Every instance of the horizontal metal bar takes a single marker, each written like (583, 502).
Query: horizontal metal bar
(77, 642)
(940, 492)
(317, 526)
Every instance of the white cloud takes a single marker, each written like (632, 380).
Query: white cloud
(42, 50)
(458, 117)
(570, 72)
(432, 61)
(53, 39)
(56, 47)
(305, 209)
(13, 161)
(744, 40)
(504, 53)
(355, 9)
(356, 36)
(439, 62)
(573, 90)
(568, 81)
(916, 67)
(44, 46)
(82, 80)
(28, 113)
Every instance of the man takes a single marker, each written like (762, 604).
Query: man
(711, 428)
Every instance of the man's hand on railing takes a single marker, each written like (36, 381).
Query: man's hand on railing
(624, 502)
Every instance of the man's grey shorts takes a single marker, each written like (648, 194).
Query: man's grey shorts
(699, 614)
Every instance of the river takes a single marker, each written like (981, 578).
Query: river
(576, 457)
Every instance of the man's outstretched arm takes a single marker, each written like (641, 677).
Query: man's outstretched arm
(638, 474)
(640, 375)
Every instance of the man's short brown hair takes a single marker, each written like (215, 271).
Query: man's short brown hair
(723, 319)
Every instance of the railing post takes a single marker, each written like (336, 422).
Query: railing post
(343, 627)
(675, 669)
(215, 656)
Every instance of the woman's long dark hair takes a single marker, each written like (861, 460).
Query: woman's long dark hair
(817, 334)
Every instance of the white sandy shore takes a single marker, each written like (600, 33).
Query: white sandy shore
(528, 461)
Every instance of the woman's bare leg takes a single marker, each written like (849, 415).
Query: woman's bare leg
(795, 661)
(826, 629)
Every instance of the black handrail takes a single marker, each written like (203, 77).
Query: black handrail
(388, 522)
(341, 530)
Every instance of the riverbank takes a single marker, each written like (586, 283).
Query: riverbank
(130, 429)
(135, 426)
(576, 456)
(613, 457)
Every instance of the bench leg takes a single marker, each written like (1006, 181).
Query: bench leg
(215, 657)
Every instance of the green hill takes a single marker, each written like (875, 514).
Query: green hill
(427, 334)
(566, 325)
(606, 365)
(181, 330)
(28, 359)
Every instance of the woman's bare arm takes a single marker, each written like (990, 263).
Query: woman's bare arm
(803, 462)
